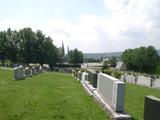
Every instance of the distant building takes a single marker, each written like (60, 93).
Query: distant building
(121, 66)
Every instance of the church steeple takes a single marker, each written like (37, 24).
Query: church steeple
(63, 51)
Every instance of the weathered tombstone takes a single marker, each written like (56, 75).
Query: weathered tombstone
(84, 76)
(79, 75)
(145, 81)
(92, 77)
(157, 83)
(34, 71)
(18, 73)
(123, 78)
(152, 108)
(40, 69)
(46, 67)
(28, 72)
(112, 90)
(130, 79)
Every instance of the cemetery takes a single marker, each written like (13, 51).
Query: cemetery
(72, 93)
(47, 83)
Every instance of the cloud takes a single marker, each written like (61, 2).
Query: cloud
(130, 23)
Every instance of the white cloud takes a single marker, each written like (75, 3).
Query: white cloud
(132, 23)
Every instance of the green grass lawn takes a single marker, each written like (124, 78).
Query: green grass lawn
(57, 96)
(47, 96)
(134, 99)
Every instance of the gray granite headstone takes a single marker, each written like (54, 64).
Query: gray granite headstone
(84, 76)
(92, 77)
(130, 79)
(18, 73)
(157, 83)
(152, 108)
(145, 81)
(34, 71)
(28, 72)
(112, 91)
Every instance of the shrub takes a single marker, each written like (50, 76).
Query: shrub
(113, 73)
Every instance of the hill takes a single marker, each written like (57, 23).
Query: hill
(102, 55)
(105, 55)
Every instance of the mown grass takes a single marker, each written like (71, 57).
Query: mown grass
(134, 99)
(47, 96)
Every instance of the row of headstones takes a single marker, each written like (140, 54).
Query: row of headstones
(141, 80)
(112, 90)
(22, 72)
(107, 88)
(63, 70)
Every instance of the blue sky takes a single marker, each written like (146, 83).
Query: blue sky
(89, 25)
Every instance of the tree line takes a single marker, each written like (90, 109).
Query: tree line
(26, 46)
(142, 59)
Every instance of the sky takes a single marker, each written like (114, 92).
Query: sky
(92, 26)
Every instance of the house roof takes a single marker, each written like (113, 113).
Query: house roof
(119, 65)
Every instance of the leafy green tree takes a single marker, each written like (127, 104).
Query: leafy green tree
(39, 47)
(112, 61)
(143, 59)
(13, 45)
(51, 52)
(3, 48)
(75, 56)
(27, 37)
(63, 51)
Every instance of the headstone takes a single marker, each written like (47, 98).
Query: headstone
(46, 67)
(34, 71)
(28, 72)
(112, 90)
(152, 108)
(84, 76)
(79, 75)
(145, 81)
(130, 79)
(157, 83)
(18, 73)
(123, 79)
(40, 69)
(92, 77)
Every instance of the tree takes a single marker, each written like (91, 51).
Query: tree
(143, 59)
(75, 56)
(39, 47)
(51, 52)
(63, 51)
(3, 48)
(112, 61)
(12, 46)
(27, 37)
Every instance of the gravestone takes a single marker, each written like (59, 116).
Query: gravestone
(112, 91)
(152, 108)
(84, 76)
(157, 83)
(92, 77)
(18, 73)
(144, 81)
(37, 68)
(130, 79)
(34, 71)
(123, 79)
(40, 69)
(46, 67)
(79, 75)
(28, 72)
